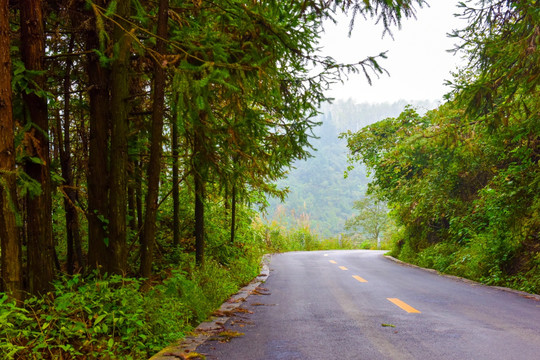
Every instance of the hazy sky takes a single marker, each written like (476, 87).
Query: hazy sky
(418, 62)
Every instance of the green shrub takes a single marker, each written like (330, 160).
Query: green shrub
(407, 253)
(438, 257)
(110, 317)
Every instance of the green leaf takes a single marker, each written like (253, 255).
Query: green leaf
(200, 102)
(99, 318)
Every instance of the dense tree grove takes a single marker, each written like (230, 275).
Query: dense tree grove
(463, 180)
(123, 121)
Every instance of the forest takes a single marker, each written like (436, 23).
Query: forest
(317, 188)
(462, 181)
(137, 139)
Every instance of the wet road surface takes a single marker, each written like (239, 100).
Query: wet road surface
(359, 305)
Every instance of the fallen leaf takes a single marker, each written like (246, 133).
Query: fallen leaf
(230, 333)
(194, 356)
(227, 335)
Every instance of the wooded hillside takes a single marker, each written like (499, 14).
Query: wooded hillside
(318, 190)
(463, 180)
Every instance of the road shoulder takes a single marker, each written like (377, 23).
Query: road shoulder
(465, 280)
(211, 327)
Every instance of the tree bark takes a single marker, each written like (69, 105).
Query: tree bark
(199, 220)
(117, 251)
(131, 200)
(10, 245)
(199, 174)
(98, 166)
(175, 190)
(39, 206)
(139, 191)
(154, 167)
(74, 254)
(233, 213)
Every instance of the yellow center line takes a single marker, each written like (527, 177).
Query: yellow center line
(343, 268)
(359, 278)
(325, 254)
(408, 308)
(333, 262)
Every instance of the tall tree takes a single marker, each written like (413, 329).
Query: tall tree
(74, 249)
(175, 177)
(120, 73)
(200, 164)
(10, 245)
(154, 166)
(98, 164)
(37, 165)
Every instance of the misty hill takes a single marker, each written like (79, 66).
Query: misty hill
(318, 189)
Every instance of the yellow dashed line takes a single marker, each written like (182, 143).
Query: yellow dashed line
(359, 278)
(325, 254)
(343, 268)
(333, 262)
(408, 308)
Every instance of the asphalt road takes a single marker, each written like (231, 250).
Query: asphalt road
(360, 305)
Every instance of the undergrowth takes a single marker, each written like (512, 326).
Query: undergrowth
(514, 268)
(109, 317)
(280, 239)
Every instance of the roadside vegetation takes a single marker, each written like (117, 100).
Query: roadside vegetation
(369, 228)
(109, 316)
(463, 181)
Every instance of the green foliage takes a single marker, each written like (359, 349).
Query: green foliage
(461, 191)
(282, 238)
(100, 318)
(372, 220)
(462, 181)
(110, 317)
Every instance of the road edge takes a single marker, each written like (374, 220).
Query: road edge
(465, 280)
(214, 325)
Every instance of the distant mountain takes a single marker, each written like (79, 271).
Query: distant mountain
(318, 189)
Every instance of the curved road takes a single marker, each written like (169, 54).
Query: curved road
(360, 305)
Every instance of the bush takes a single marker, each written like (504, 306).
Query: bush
(110, 317)
(438, 257)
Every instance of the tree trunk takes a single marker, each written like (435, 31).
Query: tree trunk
(70, 199)
(131, 200)
(175, 190)
(39, 206)
(199, 174)
(98, 173)
(199, 220)
(137, 85)
(233, 213)
(154, 167)
(139, 192)
(117, 252)
(11, 270)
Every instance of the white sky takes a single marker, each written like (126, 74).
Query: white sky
(418, 62)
